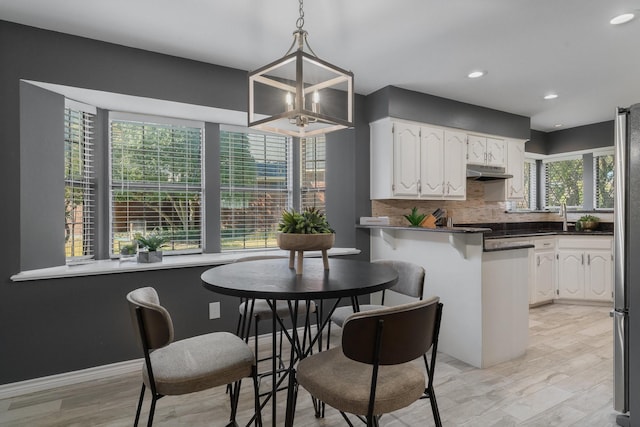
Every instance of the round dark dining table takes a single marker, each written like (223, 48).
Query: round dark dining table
(272, 279)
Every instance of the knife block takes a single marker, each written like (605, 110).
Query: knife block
(429, 222)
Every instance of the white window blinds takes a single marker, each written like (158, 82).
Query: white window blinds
(603, 185)
(156, 181)
(79, 179)
(312, 172)
(255, 188)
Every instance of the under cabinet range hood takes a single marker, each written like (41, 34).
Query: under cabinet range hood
(486, 173)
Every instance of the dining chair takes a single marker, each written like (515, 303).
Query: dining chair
(189, 365)
(372, 372)
(410, 283)
(259, 310)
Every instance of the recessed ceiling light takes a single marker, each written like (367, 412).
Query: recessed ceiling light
(551, 96)
(476, 74)
(622, 19)
(557, 125)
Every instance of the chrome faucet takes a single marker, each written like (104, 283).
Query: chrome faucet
(563, 213)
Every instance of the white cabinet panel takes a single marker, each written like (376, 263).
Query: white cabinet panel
(571, 274)
(455, 166)
(406, 159)
(545, 275)
(598, 274)
(432, 169)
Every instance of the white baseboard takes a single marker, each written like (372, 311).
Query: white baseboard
(69, 378)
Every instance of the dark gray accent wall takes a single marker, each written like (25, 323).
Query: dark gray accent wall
(405, 104)
(59, 325)
(597, 135)
(537, 143)
(42, 156)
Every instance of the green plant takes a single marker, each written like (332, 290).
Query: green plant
(129, 249)
(589, 218)
(309, 221)
(153, 241)
(414, 218)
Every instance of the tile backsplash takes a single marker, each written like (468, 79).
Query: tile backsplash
(473, 210)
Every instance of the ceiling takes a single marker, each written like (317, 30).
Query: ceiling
(529, 48)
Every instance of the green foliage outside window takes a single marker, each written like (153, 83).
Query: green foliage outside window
(604, 181)
(564, 183)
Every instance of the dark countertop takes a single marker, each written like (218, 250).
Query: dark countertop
(437, 229)
(490, 246)
(535, 233)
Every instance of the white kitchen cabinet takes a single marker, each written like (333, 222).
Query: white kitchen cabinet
(483, 150)
(598, 275)
(406, 159)
(455, 165)
(515, 166)
(544, 270)
(512, 188)
(415, 161)
(585, 268)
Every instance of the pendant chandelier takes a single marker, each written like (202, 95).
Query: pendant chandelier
(300, 95)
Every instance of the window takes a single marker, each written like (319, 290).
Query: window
(603, 183)
(155, 181)
(564, 182)
(255, 187)
(312, 171)
(79, 180)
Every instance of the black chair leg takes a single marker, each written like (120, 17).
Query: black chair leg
(234, 398)
(135, 423)
(152, 410)
(256, 397)
(434, 407)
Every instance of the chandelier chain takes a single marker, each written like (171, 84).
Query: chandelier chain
(300, 20)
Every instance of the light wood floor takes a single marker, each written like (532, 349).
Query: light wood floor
(565, 379)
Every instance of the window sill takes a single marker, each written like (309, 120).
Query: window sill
(168, 262)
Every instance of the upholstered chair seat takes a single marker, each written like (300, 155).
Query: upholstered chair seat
(200, 363)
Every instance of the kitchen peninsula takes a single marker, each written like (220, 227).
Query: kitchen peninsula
(485, 317)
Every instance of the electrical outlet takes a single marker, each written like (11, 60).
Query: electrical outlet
(214, 310)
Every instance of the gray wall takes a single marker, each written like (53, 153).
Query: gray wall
(42, 131)
(537, 143)
(405, 104)
(59, 325)
(587, 137)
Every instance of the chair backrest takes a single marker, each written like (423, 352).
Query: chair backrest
(410, 277)
(405, 331)
(157, 327)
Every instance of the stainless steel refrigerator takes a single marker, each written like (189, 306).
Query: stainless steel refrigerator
(626, 375)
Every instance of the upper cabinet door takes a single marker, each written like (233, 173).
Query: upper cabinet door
(495, 152)
(455, 165)
(432, 170)
(406, 159)
(476, 150)
(515, 167)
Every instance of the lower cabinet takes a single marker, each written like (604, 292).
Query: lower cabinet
(544, 283)
(585, 268)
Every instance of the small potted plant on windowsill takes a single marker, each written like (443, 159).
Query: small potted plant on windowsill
(150, 247)
(588, 223)
(308, 230)
(128, 251)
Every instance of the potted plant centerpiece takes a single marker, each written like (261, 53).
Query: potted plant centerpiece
(150, 246)
(588, 222)
(308, 230)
